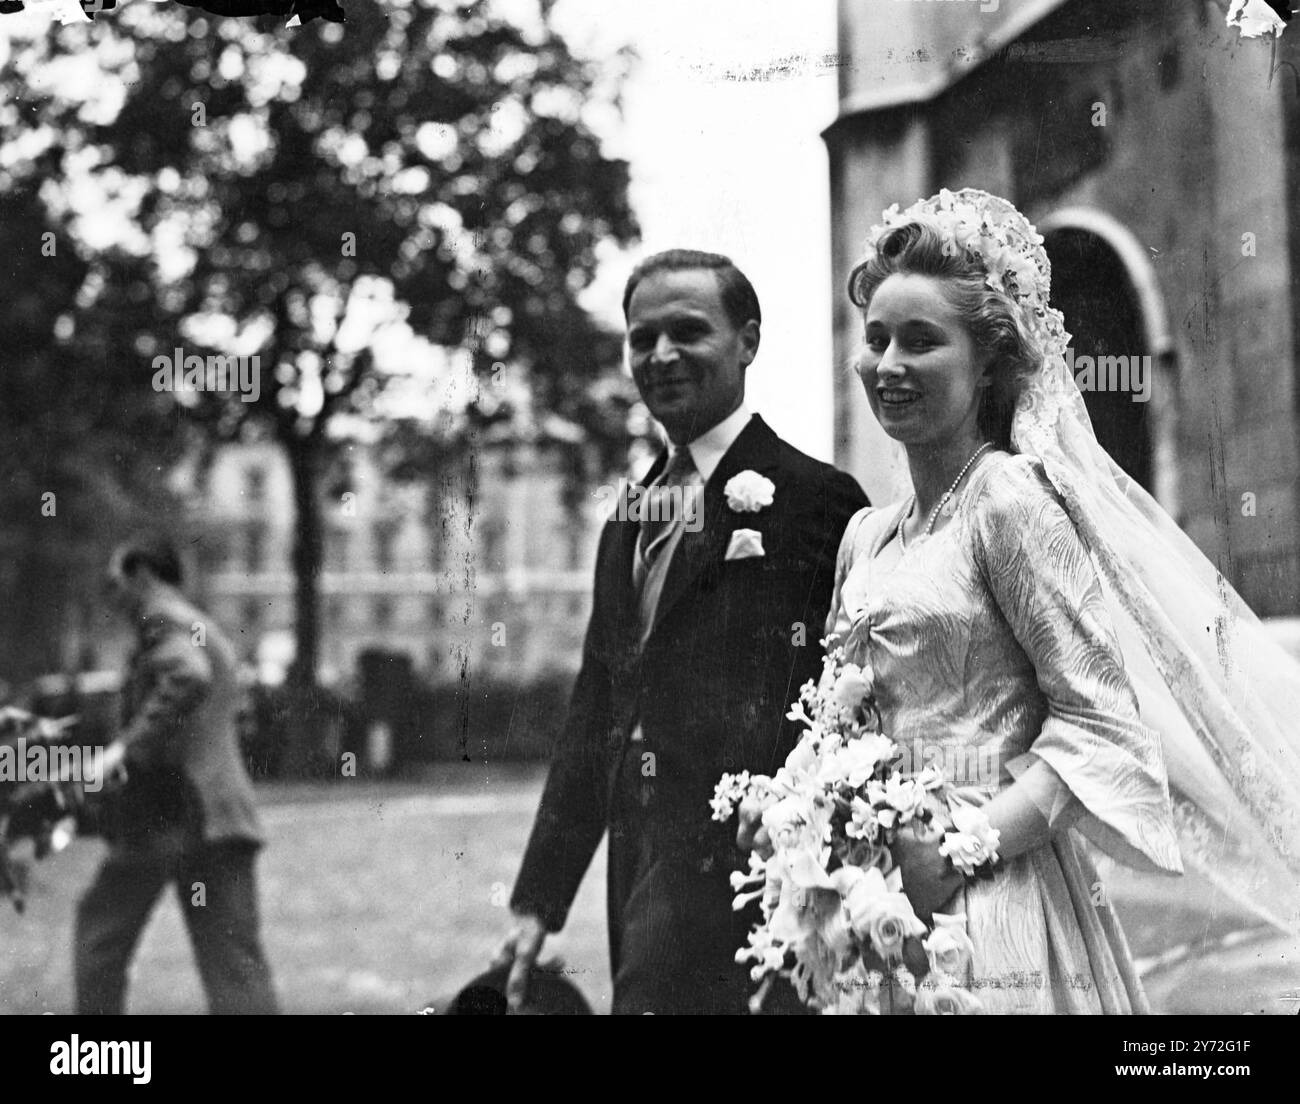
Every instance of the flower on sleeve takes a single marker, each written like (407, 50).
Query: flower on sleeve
(974, 843)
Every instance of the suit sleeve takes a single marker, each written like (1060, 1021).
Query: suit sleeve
(842, 499)
(822, 523)
(572, 815)
(178, 675)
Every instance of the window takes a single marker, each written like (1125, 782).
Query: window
(382, 612)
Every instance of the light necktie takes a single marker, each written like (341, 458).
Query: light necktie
(664, 510)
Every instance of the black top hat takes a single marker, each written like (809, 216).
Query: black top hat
(550, 993)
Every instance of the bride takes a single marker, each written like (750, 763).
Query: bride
(1030, 601)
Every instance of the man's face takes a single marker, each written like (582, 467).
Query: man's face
(687, 357)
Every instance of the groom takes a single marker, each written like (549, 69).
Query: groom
(705, 623)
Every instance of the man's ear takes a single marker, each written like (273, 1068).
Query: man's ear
(749, 337)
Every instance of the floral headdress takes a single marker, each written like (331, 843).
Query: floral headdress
(991, 231)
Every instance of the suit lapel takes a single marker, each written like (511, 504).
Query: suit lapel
(754, 449)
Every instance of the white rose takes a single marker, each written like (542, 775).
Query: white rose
(857, 760)
(942, 997)
(972, 821)
(904, 796)
(965, 852)
(886, 919)
(852, 686)
(749, 492)
(948, 947)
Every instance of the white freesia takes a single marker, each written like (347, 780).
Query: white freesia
(728, 793)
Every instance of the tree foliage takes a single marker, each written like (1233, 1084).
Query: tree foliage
(306, 194)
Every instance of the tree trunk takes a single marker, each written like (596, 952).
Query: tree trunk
(306, 462)
(305, 465)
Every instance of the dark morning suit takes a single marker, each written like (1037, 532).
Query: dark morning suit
(185, 816)
(732, 642)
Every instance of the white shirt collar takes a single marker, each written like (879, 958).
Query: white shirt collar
(708, 449)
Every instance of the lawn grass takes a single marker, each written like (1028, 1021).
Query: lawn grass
(379, 897)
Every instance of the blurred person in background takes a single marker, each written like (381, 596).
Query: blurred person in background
(185, 815)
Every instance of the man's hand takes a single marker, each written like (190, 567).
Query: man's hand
(929, 879)
(751, 835)
(522, 946)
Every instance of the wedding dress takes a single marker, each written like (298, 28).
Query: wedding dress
(1063, 622)
(991, 647)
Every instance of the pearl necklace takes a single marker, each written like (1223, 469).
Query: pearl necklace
(934, 514)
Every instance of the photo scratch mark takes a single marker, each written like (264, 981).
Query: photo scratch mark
(790, 67)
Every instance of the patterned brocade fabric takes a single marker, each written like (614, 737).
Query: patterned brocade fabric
(993, 654)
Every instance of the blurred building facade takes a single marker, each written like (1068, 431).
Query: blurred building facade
(484, 569)
(1160, 157)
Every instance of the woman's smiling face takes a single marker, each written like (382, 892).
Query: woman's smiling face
(922, 371)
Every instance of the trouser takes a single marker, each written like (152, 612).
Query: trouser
(218, 895)
(673, 931)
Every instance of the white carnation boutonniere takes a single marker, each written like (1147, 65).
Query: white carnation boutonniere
(749, 492)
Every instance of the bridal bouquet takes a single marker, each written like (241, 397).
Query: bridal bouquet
(835, 918)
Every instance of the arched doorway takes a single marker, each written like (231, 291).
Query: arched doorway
(1123, 355)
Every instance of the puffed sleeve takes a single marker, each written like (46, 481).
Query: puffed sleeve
(1043, 581)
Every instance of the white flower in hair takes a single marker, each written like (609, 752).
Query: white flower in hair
(1254, 18)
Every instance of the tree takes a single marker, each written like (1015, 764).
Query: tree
(305, 190)
(83, 445)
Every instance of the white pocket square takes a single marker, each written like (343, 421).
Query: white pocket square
(745, 544)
